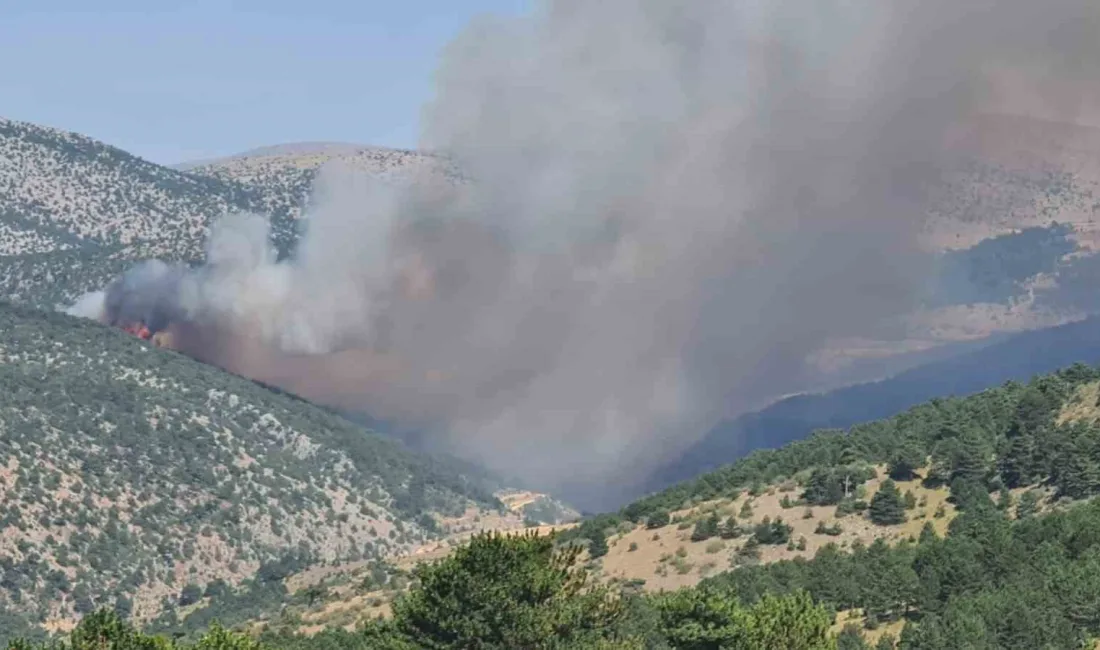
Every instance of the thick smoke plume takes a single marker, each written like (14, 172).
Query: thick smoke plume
(673, 204)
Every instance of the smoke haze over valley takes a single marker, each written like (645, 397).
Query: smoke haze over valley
(672, 207)
(795, 301)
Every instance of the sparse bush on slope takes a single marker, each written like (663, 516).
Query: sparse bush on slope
(1007, 434)
(128, 464)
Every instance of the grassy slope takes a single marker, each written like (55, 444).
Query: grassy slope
(660, 562)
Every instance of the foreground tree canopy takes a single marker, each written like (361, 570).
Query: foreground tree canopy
(507, 592)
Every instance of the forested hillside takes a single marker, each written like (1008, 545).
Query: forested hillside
(1010, 560)
(1010, 435)
(139, 479)
(1014, 461)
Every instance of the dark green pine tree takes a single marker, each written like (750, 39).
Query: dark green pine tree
(971, 459)
(927, 533)
(1018, 466)
(730, 529)
(970, 495)
(1034, 411)
(850, 638)
(887, 507)
(1028, 506)
(823, 488)
(598, 546)
(1077, 587)
(503, 591)
(706, 528)
(890, 584)
(1080, 478)
(905, 462)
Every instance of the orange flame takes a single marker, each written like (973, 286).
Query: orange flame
(138, 329)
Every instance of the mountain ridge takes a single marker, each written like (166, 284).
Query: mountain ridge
(1016, 357)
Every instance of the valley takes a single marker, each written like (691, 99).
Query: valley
(789, 516)
(137, 480)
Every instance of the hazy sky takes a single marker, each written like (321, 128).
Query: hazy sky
(174, 81)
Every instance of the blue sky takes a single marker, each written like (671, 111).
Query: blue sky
(174, 81)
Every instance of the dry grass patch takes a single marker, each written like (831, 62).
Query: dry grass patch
(1083, 406)
(667, 559)
(662, 559)
(845, 617)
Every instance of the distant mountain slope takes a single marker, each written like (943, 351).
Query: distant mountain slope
(62, 192)
(1022, 172)
(128, 472)
(281, 175)
(75, 211)
(100, 194)
(275, 149)
(1018, 357)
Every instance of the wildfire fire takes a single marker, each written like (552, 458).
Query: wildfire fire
(160, 338)
(139, 330)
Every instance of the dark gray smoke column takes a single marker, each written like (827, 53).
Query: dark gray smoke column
(673, 203)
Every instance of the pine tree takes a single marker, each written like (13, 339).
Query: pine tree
(1018, 466)
(502, 591)
(772, 532)
(887, 507)
(823, 488)
(706, 528)
(598, 546)
(1028, 506)
(701, 618)
(970, 495)
(1034, 410)
(850, 638)
(971, 459)
(730, 529)
(891, 585)
(1080, 478)
(927, 533)
(904, 462)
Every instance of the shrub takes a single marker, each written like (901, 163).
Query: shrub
(772, 532)
(658, 519)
